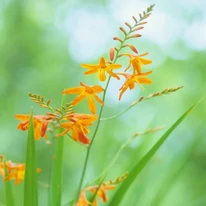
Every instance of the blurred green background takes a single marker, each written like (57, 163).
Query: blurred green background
(43, 43)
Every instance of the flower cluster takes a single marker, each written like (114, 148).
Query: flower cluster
(101, 193)
(76, 124)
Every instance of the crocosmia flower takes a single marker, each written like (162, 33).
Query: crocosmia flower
(86, 91)
(15, 171)
(101, 193)
(132, 79)
(40, 124)
(78, 124)
(137, 62)
(101, 68)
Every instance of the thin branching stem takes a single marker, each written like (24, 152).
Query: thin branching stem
(100, 114)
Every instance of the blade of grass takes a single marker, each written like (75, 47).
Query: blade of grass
(173, 175)
(9, 199)
(30, 183)
(139, 166)
(56, 175)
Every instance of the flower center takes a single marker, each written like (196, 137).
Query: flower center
(89, 90)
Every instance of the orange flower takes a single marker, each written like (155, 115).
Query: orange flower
(85, 91)
(137, 62)
(40, 124)
(2, 169)
(132, 79)
(101, 68)
(15, 171)
(82, 201)
(78, 124)
(101, 193)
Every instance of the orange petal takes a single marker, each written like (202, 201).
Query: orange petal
(102, 63)
(143, 80)
(98, 99)
(136, 65)
(79, 98)
(101, 75)
(90, 72)
(22, 117)
(67, 125)
(102, 194)
(114, 66)
(82, 137)
(44, 128)
(112, 74)
(90, 66)
(123, 91)
(74, 90)
(75, 133)
(131, 85)
(145, 61)
(37, 129)
(92, 106)
(145, 73)
(97, 89)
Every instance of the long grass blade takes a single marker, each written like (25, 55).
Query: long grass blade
(56, 174)
(30, 184)
(139, 166)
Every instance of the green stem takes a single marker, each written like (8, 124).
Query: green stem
(99, 118)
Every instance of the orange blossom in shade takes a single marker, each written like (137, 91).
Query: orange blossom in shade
(78, 124)
(137, 62)
(86, 91)
(15, 171)
(2, 169)
(101, 193)
(40, 124)
(101, 68)
(132, 79)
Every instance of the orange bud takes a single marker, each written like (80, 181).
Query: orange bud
(132, 48)
(138, 28)
(117, 38)
(128, 25)
(141, 23)
(134, 19)
(123, 30)
(43, 105)
(134, 36)
(111, 53)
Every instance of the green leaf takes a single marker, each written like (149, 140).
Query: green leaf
(9, 199)
(56, 174)
(30, 183)
(139, 166)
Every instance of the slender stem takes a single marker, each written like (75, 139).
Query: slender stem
(100, 114)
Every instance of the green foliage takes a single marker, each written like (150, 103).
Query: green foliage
(9, 198)
(139, 166)
(30, 182)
